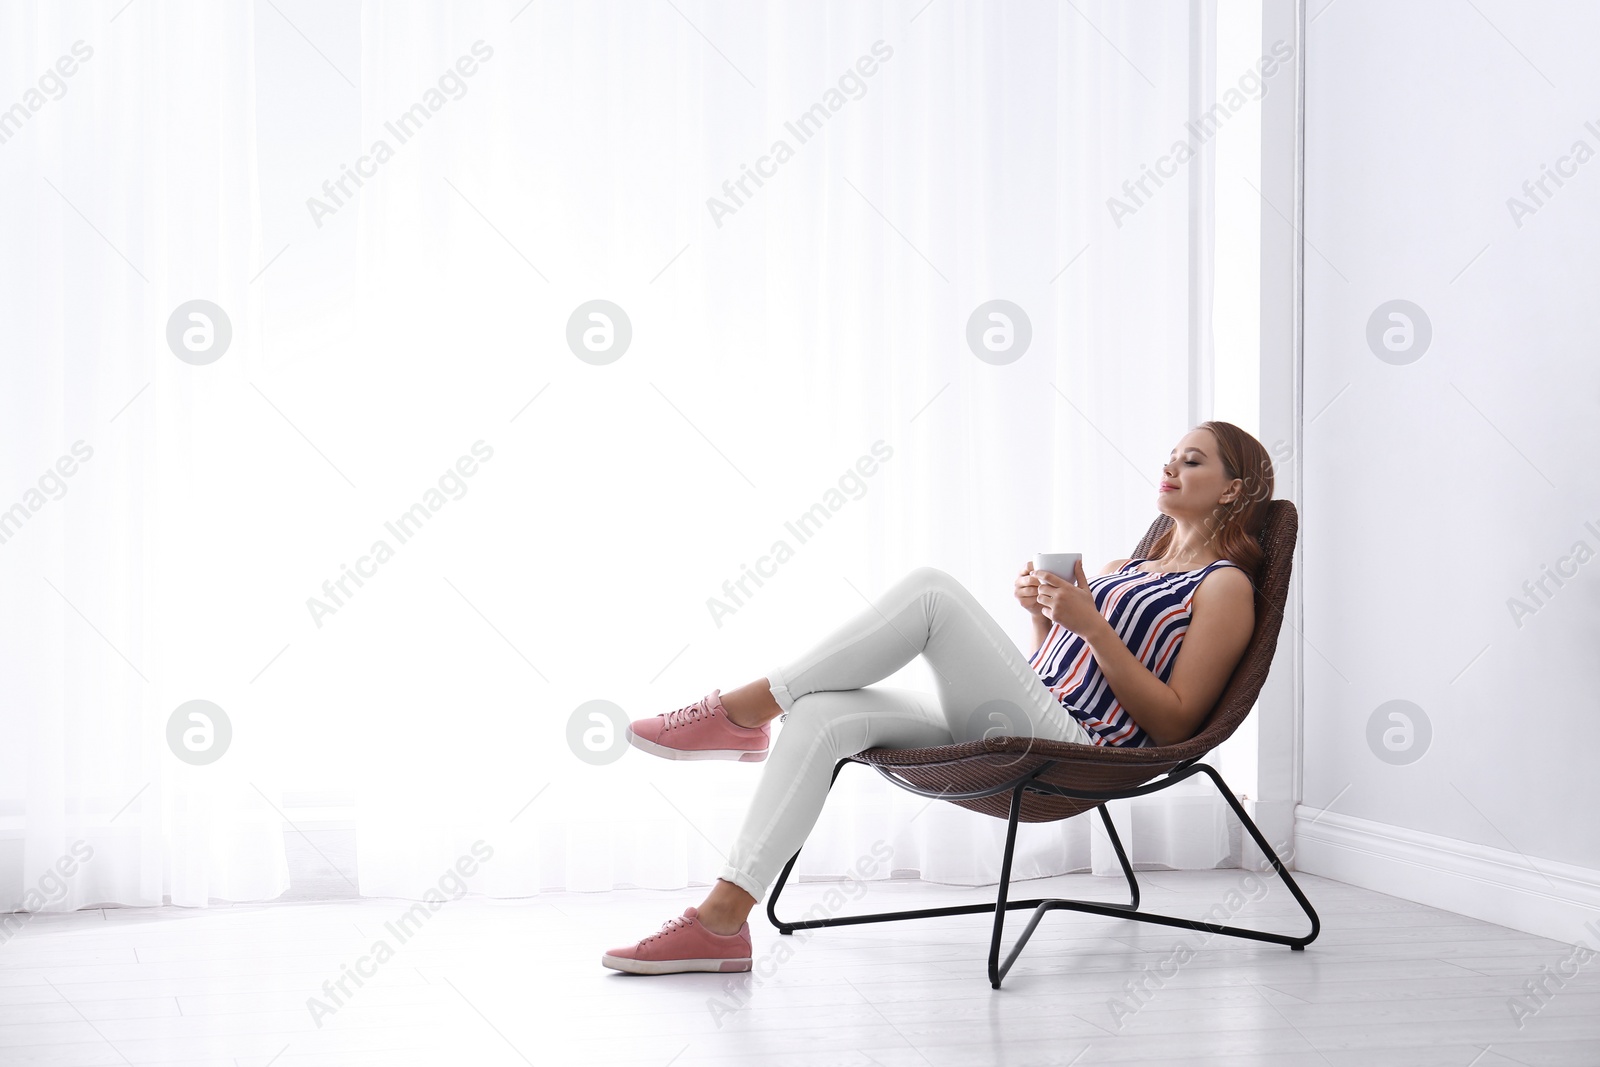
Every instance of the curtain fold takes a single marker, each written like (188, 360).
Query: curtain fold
(134, 171)
(408, 527)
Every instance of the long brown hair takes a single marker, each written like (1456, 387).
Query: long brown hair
(1236, 526)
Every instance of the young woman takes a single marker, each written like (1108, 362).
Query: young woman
(1105, 671)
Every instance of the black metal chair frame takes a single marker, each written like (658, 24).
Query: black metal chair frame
(1028, 783)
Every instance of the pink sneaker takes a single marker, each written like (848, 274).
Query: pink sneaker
(683, 944)
(701, 730)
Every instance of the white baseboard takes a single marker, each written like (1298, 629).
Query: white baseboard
(1540, 897)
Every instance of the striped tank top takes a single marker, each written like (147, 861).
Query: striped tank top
(1150, 612)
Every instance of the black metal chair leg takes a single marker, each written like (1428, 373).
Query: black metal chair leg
(1122, 858)
(1120, 911)
(1248, 823)
(996, 972)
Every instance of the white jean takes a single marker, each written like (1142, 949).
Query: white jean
(984, 683)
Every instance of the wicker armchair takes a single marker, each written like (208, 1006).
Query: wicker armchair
(1022, 779)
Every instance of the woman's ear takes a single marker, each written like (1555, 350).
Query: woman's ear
(1230, 494)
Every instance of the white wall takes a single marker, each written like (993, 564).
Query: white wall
(1435, 489)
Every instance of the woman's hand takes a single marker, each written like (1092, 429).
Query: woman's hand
(1070, 605)
(1025, 590)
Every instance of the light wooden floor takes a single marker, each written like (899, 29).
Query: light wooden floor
(519, 982)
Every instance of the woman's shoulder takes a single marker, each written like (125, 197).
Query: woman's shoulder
(1225, 581)
(1116, 565)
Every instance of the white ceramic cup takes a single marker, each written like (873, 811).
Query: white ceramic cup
(1060, 564)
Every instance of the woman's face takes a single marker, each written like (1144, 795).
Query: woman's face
(1193, 481)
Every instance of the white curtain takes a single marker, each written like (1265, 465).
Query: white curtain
(399, 532)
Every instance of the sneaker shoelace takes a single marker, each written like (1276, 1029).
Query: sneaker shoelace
(686, 715)
(666, 928)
